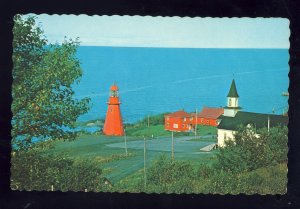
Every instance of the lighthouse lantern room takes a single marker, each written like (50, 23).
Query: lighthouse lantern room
(113, 125)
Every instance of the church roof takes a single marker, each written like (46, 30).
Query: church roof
(232, 92)
(257, 119)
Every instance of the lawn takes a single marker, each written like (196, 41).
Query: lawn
(110, 152)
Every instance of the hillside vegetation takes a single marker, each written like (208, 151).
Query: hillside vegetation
(250, 165)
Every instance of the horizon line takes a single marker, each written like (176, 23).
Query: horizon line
(171, 47)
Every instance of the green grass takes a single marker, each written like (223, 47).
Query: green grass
(113, 160)
(89, 146)
(206, 130)
(156, 130)
(116, 165)
(159, 130)
(126, 172)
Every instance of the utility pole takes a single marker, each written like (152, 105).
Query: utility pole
(268, 123)
(172, 146)
(148, 120)
(125, 142)
(145, 176)
(196, 123)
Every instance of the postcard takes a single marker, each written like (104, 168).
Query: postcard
(150, 104)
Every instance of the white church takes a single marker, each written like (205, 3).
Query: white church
(233, 118)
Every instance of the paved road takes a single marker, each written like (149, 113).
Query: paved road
(164, 144)
(155, 147)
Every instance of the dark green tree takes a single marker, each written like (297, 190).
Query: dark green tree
(43, 74)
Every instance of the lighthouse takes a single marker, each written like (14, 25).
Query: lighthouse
(113, 125)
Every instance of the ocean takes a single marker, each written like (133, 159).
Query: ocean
(158, 80)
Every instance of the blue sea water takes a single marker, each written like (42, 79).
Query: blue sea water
(157, 80)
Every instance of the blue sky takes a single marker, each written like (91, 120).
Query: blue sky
(137, 31)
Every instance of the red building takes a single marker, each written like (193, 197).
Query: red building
(182, 121)
(113, 124)
(178, 121)
(208, 116)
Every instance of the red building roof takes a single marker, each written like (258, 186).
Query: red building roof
(179, 114)
(210, 112)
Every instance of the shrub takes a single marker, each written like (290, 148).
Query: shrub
(267, 180)
(32, 171)
(249, 151)
(169, 176)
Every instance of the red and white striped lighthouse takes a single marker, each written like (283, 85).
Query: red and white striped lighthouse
(113, 125)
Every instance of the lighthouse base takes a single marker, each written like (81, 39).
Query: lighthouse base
(113, 125)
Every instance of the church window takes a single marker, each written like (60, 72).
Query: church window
(229, 102)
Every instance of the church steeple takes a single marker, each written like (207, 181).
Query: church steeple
(232, 97)
(232, 92)
(232, 101)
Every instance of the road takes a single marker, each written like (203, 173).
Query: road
(184, 149)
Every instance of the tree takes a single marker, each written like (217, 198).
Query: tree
(43, 99)
(250, 151)
(32, 170)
